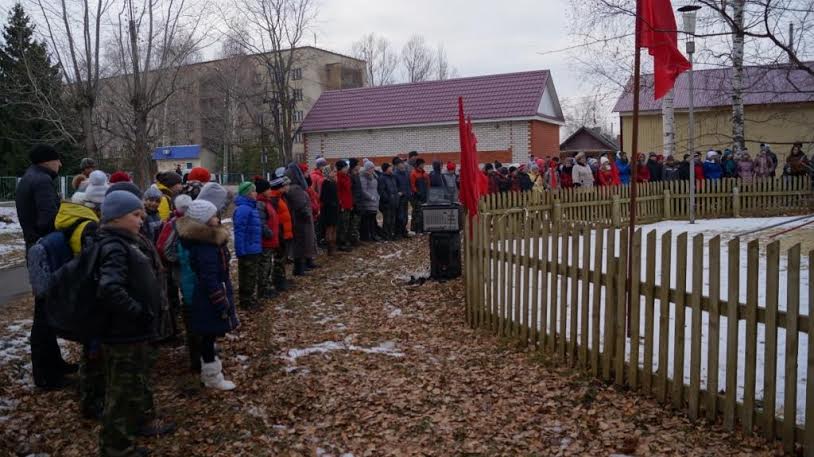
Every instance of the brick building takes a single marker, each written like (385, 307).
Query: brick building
(513, 115)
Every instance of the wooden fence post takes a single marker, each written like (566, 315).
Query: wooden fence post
(668, 205)
(557, 216)
(616, 212)
(736, 201)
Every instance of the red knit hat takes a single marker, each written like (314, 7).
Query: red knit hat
(450, 166)
(119, 176)
(199, 174)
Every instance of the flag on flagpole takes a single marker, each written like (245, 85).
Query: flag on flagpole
(658, 33)
(473, 182)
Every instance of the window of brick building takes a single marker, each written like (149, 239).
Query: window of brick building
(298, 95)
(298, 116)
(296, 74)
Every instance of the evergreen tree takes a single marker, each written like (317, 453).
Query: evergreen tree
(32, 106)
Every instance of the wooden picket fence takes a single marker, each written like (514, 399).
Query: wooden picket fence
(560, 287)
(666, 200)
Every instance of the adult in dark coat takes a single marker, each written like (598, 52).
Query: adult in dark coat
(329, 216)
(37, 206)
(405, 193)
(299, 204)
(654, 167)
(388, 200)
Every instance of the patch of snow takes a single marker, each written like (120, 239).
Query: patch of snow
(396, 312)
(396, 255)
(386, 348)
(14, 226)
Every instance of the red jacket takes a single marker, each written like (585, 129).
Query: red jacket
(284, 216)
(642, 173)
(315, 204)
(699, 171)
(317, 179)
(343, 189)
(607, 178)
(273, 223)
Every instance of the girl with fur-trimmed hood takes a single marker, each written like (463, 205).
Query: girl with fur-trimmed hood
(212, 308)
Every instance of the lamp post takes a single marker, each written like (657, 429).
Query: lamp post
(688, 14)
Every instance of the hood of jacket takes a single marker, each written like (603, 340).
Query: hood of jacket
(69, 213)
(190, 229)
(295, 175)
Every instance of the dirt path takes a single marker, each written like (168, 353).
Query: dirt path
(354, 362)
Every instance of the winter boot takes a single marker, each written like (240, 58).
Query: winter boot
(299, 267)
(310, 265)
(212, 376)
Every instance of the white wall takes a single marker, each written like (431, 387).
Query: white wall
(496, 136)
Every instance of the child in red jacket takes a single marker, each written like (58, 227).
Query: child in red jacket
(343, 190)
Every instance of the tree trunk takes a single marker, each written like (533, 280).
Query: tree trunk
(738, 134)
(141, 152)
(668, 123)
(89, 133)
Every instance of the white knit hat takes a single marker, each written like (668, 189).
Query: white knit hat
(201, 211)
(97, 187)
(182, 202)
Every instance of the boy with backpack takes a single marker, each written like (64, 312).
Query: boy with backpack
(248, 242)
(126, 263)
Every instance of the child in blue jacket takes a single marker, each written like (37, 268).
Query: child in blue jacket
(248, 242)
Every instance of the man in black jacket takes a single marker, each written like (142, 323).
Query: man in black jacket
(388, 201)
(37, 205)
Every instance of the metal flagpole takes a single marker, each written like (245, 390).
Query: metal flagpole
(634, 151)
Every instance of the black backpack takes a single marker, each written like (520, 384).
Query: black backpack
(70, 303)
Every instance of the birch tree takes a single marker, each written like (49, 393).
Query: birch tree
(668, 123)
(738, 41)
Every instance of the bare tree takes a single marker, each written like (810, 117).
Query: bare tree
(417, 59)
(74, 29)
(154, 39)
(381, 60)
(441, 63)
(588, 111)
(276, 28)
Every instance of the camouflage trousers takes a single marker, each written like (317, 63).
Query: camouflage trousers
(128, 396)
(343, 228)
(91, 379)
(278, 262)
(355, 222)
(247, 271)
(266, 268)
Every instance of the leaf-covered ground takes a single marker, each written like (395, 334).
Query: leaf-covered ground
(355, 362)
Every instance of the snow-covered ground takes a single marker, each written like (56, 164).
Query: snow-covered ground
(727, 229)
(12, 246)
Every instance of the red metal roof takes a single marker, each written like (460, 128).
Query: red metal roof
(713, 88)
(505, 96)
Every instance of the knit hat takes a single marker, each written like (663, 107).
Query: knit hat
(201, 211)
(261, 185)
(199, 174)
(119, 176)
(450, 166)
(42, 153)
(152, 193)
(245, 188)
(278, 183)
(125, 186)
(119, 203)
(711, 154)
(216, 194)
(182, 202)
(397, 160)
(87, 162)
(321, 162)
(579, 156)
(279, 173)
(97, 187)
(603, 160)
(341, 165)
(369, 165)
(78, 198)
(168, 178)
(522, 167)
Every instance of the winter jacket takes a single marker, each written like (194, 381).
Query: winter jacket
(211, 309)
(607, 178)
(419, 185)
(524, 181)
(774, 160)
(37, 203)
(248, 230)
(315, 204)
(763, 165)
(624, 171)
(730, 168)
(435, 175)
(166, 206)
(567, 177)
(329, 215)
(654, 168)
(670, 172)
(269, 222)
(370, 193)
(356, 190)
(642, 173)
(344, 191)
(305, 243)
(746, 169)
(713, 170)
(699, 171)
(797, 164)
(317, 178)
(286, 227)
(493, 185)
(403, 182)
(451, 186)
(551, 179)
(388, 192)
(152, 225)
(582, 175)
(81, 221)
(131, 290)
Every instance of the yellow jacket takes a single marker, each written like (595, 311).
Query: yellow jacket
(69, 214)
(165, 207)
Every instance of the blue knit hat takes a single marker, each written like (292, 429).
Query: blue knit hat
(119, 203)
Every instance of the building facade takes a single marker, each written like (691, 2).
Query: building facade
(589, 140)
(778, 109)
(513, 116)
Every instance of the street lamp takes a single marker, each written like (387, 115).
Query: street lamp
(688, 14)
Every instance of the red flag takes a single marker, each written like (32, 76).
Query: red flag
(473, 182)
(658, 32)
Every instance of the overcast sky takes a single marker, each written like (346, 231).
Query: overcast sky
(480, 37)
